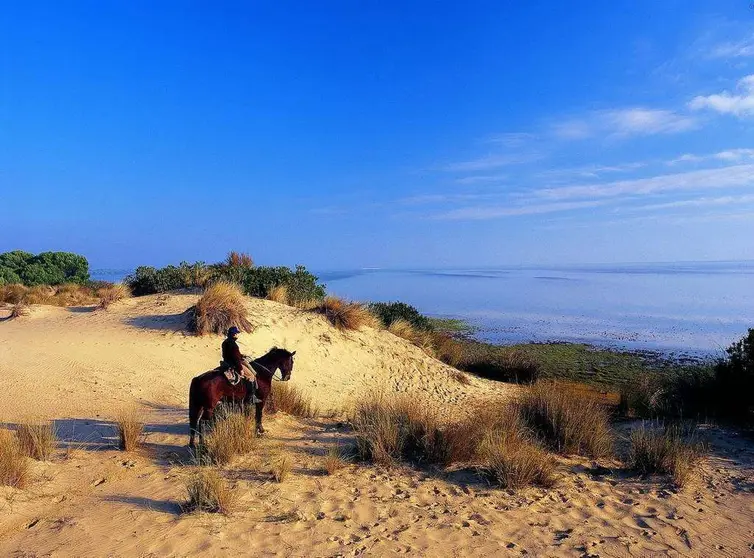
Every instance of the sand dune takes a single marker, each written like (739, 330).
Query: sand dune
(79, 366)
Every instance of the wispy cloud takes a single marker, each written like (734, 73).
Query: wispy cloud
(482, 178)
(591, 171)
(734, 49)
(700, 180)
(696, 202)
(494, 212)
(633, 121)
(738, 103)
(492, 161)
(730, 155)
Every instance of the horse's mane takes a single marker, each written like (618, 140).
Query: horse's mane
(277, 350)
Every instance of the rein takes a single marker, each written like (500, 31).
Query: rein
(272, 374)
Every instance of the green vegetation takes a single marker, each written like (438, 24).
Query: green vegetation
(391, 312)
(47, 268)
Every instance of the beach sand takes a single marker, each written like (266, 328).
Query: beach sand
(80, 367)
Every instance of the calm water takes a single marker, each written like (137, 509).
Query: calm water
(682, 307)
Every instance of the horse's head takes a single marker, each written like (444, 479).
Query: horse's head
(284, 362)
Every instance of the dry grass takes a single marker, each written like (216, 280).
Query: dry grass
(234, 433)
(221, 306)
(278, 294)
(208, 492)
(14, 467)
(567, 421)
(73, 294)
(19, 309)
(281, 466)
(670, 449)
(395, 427)
(239, 259)
(449, 350)
(37, 439)
(130, 430)
(41, 294)
(109, 295)
(336, 459)
(346, 315)
(460, 377)
(290, 399)
(422, 339)
(12, 294)
(511, 460)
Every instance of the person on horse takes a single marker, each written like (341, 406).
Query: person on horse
(233, 360)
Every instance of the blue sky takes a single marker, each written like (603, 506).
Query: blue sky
(347, 134)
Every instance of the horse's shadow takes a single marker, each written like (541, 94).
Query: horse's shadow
(163, 506)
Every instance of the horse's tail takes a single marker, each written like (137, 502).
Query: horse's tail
(195, 408)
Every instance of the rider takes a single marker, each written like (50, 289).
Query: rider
(233, 358)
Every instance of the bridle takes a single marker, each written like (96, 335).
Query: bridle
(272, 374)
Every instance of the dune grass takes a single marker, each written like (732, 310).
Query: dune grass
(37, 439)
(111, 294)
(208, 492)
(658, 448)
(281, 465)
(290, 399)
(335, 459)
(233, 434)
(278, 294)
(130, 430)
(566, 420)
(346, 315)
(221, 306)
(511, 459)
(19, 309)
(14, 466)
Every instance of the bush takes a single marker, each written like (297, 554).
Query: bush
(395, 427)
(391, 312)
(207, 492)
(148, 280)
(13, 294)
(734, 379)
(511, 460)
(290, 399)
(567, 421)
(234, 433)
(37, 440)
(221, 306)
(14, 468)
(111, 294)
(301, 285)
(665, 449)
(643, 396)
(47, 268)
(130, 430)
(504, 365)
(346, 315)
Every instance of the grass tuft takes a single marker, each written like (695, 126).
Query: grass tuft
(111, 294)
(208, 492)
(130, 430)
(19, 309)
(290, 399)
(281, 465)
(670, 449)
(221, 306)
(279, 294)
(346, 315)
(511, 460)
(234, 433)
(336, 459)
(567, 421)
(14, 467)
(37, 439)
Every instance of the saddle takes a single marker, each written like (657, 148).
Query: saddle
(234, 378)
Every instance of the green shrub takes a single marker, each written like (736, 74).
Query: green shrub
(302, 285)
(734, 379)
(390, 312)
(498, 363)
(148, 280)
(47, 268)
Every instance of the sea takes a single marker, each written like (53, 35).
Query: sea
(680, 308)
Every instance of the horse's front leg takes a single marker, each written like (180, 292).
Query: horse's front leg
(258, 417)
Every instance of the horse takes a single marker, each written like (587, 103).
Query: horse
(210, 388)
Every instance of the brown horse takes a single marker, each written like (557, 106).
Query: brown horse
(208, 389)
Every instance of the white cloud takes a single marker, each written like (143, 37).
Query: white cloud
(739, 49)
(482, 178)
(725, 177)
(487, 212)
(739, 103)
(697, 202)
(633, 121)
(592, 171)
(730, 155)
(492, 161)
(512, 139)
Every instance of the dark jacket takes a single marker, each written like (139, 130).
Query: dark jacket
(232, 354)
